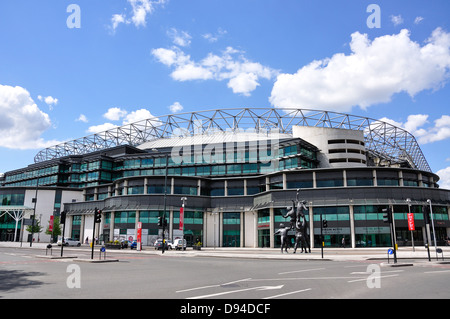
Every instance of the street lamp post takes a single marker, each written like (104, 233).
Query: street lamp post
(183, 199)
(165, 203)
(432, 225)
(165, 198)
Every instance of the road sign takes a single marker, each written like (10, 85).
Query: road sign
(103, 249)
(390, 251)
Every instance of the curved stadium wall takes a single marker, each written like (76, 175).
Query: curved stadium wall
(239, 170)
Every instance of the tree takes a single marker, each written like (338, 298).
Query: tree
(37, 228)
(56, 228)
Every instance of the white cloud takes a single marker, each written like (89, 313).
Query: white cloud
(49, 100)
(444, 175)
(244, 83)
(180, 38)
(176, 107)
(115, 114)
(101, 128)
(191, 71)
(397, 20)
(417, 20)
(140, 10)
(243, 75)
(117, 19)
(82, 118)
(371, 74)
(22, 123)
(214, 37)
(139, 115)
(439, 131)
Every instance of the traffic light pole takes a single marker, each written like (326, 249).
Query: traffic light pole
(388, 218)
(321, 235)
(393, 239)
(93, 233)
(63, 221)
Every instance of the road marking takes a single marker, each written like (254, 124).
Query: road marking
(212, 286)
(368, 273)
(295, 271)
(235, 291)
(436, 271)
(374, 277)
(288, 293)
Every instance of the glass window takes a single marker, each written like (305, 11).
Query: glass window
(236, 191)
(387, 182)
(218, 170)
(330, 183)
(360, 182)
(234, 169)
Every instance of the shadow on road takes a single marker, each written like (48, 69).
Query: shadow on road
(16, 279)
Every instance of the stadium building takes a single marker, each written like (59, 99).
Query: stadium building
(238, 171)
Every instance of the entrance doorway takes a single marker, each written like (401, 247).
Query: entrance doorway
(264, 238)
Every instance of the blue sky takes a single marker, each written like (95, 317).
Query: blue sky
(67, 71)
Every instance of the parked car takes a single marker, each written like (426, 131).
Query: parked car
(170, 244)
(180, 244)
(69, 242)
(158, 245)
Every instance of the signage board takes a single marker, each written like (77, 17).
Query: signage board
(181, 218)
(50, 224)
(411, 225)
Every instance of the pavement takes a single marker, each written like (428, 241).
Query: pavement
(334, 254)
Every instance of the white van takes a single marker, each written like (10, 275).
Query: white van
(179, 244)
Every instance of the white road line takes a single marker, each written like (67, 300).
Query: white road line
(368, 273)
(288, 293)
(374, 277)
(295, 271)
(235, 291)
(436, 271)
(212, 286)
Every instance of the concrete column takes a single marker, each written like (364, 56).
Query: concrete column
(352, 227)
(111, 227)
(272, 227)
(311, 226)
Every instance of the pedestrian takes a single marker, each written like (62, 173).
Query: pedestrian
(343, 242)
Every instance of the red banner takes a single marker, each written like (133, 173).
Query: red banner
(411, 221)
(50, 224)
(139, 232)
(181, 218)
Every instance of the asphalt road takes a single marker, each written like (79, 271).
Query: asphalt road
(136, 276)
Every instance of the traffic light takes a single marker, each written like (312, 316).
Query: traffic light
(324, 223)
(165, 223)
(98, 216)
(62, 218)
(160, 221)
(387, 215)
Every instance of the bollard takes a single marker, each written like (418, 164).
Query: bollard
(102, 250)
(46, 250)
(440, 251)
